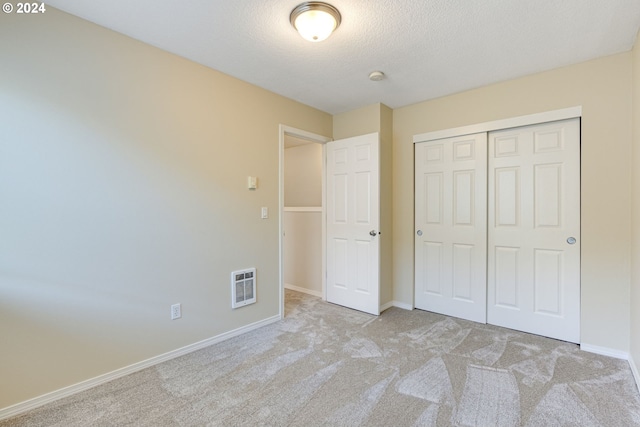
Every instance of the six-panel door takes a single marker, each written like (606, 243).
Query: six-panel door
(450, 239)
(534, 229)
(353, 220)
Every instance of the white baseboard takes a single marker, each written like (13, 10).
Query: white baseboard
(604, 351)
(634, 370)
(403, 305)
(303, 290)
(398, 304)
(386, 306)
(22, 407)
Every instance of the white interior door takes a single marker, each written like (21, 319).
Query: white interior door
(353, 220)
(534, 229)
(451, 230)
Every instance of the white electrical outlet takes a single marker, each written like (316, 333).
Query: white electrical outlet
(176, 311)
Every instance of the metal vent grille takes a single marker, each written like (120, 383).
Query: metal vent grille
(243, 287)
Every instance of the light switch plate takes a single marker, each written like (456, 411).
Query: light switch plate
(264, 214)
(252, 182)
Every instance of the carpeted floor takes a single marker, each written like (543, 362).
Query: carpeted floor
(331, 366)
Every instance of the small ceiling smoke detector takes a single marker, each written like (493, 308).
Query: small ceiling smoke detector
(315, 20)
(376, 76)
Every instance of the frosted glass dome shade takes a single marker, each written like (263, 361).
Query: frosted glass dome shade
(315, 21)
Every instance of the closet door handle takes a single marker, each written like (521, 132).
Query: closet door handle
(571, 240)
(419, 232)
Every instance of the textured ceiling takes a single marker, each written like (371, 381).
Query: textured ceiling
(427, 48)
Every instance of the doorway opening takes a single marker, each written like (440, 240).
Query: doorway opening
(302, 217)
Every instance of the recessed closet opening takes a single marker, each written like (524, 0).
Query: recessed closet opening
(497, 223)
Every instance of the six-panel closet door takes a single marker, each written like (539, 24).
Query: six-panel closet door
(534, 229)
(497, 228)
(451, 226)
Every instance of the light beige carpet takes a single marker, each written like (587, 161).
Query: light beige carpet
(325, 365)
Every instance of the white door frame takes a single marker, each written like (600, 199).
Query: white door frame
(318, 139)
(513, 122)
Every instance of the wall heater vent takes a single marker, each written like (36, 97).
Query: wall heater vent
(243, 287)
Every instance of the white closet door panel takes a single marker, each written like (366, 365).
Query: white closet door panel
(506, 277)
(534, 208)
(432, 259)
(433, 197)
(463, 272)
(450, 245)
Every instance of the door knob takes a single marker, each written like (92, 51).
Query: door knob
(571, 240)
(373, 233)
(419, 232)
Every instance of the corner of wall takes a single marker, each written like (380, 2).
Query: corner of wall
(634, 330)
(634, 370)
(357, 122)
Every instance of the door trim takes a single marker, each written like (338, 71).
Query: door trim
(530, 119)
(318, 139)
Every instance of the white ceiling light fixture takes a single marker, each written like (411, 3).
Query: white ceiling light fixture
(315, 20)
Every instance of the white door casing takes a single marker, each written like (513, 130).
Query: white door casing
(450, 229)
(353, 220)
(534, 216)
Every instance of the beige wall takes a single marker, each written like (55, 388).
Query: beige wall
(303, 251)
(369, 119)
(357, 122)
(386, 203)
(123, 191)
(303, 175)
(603, 89)
(303, 230)
(635, 197)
